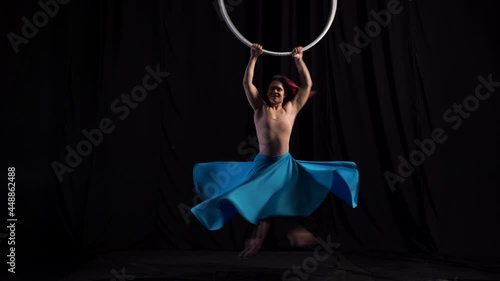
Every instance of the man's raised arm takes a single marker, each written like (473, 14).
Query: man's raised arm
(250, 90)
(300, 99)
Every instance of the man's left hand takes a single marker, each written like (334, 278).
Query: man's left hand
(297, 53)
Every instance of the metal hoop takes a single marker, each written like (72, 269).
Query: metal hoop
(249, 44)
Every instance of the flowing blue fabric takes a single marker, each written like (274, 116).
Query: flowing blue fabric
(270, 186)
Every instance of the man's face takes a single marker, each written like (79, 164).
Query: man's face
(276, 92)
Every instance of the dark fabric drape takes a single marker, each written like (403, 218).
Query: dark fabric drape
(407, 92)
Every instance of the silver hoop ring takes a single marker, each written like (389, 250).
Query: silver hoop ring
(249, 44)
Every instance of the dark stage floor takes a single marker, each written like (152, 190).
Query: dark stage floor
(267, 265)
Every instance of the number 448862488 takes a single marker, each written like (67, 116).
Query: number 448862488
(11, 177)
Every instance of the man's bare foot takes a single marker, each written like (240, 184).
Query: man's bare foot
(252, 247)
(300, 237)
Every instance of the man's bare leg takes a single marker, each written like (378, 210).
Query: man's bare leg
(254, 244)
(300, 237)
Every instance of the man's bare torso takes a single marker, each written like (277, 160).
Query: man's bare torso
(274, 128)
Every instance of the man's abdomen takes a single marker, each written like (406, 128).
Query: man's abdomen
(273, 141)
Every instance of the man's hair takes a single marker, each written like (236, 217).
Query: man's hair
(291, 88)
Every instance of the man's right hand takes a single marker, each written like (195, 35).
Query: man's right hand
(256, 50)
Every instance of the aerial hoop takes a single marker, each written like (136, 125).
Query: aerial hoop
(249, 44)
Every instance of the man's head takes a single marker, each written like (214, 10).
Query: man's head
(276, 93)
(280, 90)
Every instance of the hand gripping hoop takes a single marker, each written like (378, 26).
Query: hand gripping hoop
(249, 44)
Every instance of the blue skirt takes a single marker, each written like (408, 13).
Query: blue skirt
(270, 186)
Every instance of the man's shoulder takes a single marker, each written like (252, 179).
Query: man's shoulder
(261, 108)
(290, 108)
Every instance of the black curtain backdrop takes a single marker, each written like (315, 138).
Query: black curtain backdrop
(96, 172)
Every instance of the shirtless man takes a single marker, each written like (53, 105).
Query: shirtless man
(274, 121)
